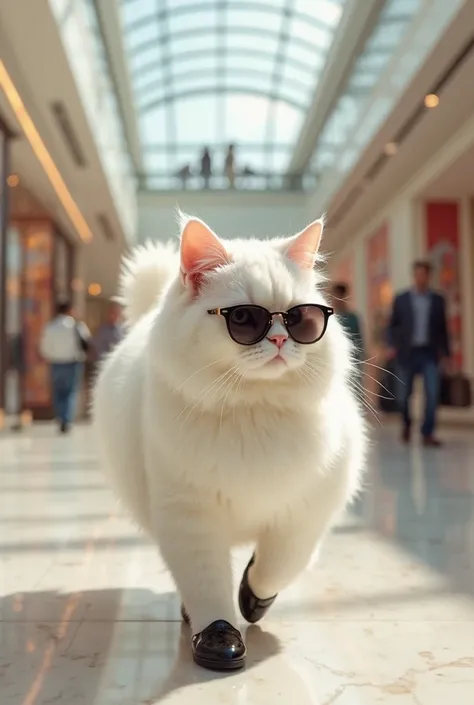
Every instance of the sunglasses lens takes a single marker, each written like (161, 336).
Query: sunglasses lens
(247, 324)
(306, 324)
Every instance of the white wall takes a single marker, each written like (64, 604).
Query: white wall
(229, 214)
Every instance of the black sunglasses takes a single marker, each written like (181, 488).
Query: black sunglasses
(248, 324)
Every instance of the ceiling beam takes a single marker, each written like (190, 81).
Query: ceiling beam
(356, 24)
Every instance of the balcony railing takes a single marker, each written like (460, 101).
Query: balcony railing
(244, 181)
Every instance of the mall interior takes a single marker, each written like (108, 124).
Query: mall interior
(257, 117)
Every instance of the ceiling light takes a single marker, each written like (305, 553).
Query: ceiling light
(13, 180)
(94, 289)
(43, 156)
(431, 100)
(391, 149)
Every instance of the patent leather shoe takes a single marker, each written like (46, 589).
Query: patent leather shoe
(252, 607)
(219, 647)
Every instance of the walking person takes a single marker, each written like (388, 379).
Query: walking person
(206, 167)
(419, 342)
(229, 165)
(109, 333)
(64, 345)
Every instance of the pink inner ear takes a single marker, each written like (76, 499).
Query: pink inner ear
(201, 251)
(303, 247)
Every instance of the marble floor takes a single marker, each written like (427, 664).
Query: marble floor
(88, 614)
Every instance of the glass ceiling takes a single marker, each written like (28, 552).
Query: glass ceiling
(215, 72)
(345, 119)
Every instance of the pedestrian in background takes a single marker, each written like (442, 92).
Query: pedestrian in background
(206, 167)
(349, 319)
(419, 343)
(109, 333)
(64, 345)
(229, 165)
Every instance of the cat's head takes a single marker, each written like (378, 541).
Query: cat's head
(299, 347)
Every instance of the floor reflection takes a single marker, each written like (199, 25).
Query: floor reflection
(424, 500)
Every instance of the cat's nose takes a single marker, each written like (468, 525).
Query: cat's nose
(278, 340)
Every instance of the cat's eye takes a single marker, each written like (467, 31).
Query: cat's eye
(248, 324)
(241, 316)
(294, 317)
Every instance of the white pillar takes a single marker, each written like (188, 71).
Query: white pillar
(405, 241)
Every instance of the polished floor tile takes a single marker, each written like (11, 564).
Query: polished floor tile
(88, 613)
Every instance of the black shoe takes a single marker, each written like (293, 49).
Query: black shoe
(431, 442)
(252, 608)
(64, 428)
(406, 434)
(185, 615)
(219, 647)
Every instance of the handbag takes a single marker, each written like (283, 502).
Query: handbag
(83, 342)
(455, 391)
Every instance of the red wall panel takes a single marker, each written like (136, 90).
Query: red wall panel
(443, 249)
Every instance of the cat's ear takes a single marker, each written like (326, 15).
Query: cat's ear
(201, 252)
(303, 247)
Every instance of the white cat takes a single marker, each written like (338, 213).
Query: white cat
(210, 442)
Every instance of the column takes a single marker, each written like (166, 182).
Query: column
(405, 241)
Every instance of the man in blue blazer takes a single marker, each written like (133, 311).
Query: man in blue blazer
(419, 342)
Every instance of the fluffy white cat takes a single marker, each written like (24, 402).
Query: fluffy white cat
(211, 443)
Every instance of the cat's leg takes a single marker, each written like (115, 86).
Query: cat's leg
(284, 550)
(196, 548)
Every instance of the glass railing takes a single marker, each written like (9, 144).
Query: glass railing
(260, 181)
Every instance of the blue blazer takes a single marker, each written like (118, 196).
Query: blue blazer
(400, 328)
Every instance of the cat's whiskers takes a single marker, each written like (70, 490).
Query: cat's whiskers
(201, 369)
(382, 369)
(234, 380)
(361, 394)
(214, 387)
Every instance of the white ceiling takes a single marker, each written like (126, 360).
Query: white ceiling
(456, 181)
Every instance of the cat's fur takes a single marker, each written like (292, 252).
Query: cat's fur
(207, 443)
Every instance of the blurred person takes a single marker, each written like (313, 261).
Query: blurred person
(64, 344)
(184, 174)
(206, 167)
(109, 333)
(229, 165)
(419, 342)
(349, 319)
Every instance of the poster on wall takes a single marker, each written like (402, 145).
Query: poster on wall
(37, 311)
(379, 291)
(442, 245)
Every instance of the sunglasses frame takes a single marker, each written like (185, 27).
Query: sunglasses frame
(226, 312)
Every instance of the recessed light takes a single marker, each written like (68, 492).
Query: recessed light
(431, 100)
(13, 180)
(391, 149)
(94, 289)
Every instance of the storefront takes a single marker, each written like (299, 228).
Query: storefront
(38, 263)
(3, 224)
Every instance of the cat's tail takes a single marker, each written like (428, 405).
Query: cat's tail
(145, 275)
